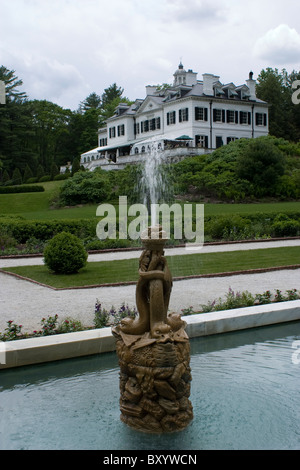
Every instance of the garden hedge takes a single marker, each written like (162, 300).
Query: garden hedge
(21, 189)
(227, 227)
(21, 230)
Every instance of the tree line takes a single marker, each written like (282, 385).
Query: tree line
(38, 136)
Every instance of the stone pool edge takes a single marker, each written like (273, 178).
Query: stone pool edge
(83, 343)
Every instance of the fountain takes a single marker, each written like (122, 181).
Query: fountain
(154, 350)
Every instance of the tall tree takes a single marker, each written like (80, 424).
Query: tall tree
(275, 88)
(111, 98)
(110, 93)
(14, 119)
(93, 101)
(50, 127)
(12, 83)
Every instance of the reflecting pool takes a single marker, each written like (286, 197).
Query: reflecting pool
(245, 394)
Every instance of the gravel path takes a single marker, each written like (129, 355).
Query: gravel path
(27, 303)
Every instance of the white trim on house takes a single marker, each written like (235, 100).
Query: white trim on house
(210, 113)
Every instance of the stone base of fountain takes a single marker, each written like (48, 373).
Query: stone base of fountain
(154, 383)
(154, 349)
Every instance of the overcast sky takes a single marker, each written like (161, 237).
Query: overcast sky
(63, 50)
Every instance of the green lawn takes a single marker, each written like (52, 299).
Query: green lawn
(105, 272)
(35, 206)
(225, 209)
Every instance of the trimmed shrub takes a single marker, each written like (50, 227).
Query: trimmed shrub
(44, 230)
(84, 188)
(45, 178)
(65, 254)
(61, 176)
(227, 227)
(21, 189)
(32, 180)
(284, 226)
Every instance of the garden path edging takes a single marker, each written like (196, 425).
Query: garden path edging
(176, 278)
(70, 345)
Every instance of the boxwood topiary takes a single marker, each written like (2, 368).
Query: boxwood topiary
(65, 254)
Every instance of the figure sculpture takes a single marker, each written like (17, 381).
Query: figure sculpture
(154, 350)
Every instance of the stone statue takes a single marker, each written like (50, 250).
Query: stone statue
(154, 350)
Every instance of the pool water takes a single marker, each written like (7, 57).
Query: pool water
(245, 395)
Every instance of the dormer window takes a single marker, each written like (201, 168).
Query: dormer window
(219, 91)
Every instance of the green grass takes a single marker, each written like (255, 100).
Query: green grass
(105, 272)
(36, 206)
(225, 209)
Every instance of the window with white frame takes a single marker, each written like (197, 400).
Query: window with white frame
(121, 130)
(152, 124)
(244, 117)
(183, 114)
(261, 119)
(230, 116)
(112, 132)
(200, 114)
(231, 139)
(103, 142)
(218, 115)
(201, 141)
(171, 118)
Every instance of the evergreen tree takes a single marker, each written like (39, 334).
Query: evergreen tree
(14, 123)
(27, 173)
(12, 83)
(111, 93)
(54, 170)
(5, 177)
(75, 165)
(93, 101)
(16, 177)
(40, 172)
(111, 98)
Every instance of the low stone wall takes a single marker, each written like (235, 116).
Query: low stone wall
(97, 341)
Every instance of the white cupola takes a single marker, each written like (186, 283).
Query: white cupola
(183, 77)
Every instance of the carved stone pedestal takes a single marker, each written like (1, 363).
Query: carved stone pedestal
(154, 349)
(154, 382)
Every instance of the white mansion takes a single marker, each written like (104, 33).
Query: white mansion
(191, 117)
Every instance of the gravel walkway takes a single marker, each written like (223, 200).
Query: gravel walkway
(27, 303)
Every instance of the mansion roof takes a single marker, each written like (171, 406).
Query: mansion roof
(187, 85)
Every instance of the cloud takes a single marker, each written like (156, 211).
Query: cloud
(49, 78)
(65, 49)
(279, 45)
(196, 11)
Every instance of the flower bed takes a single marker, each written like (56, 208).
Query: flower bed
(104, 318)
